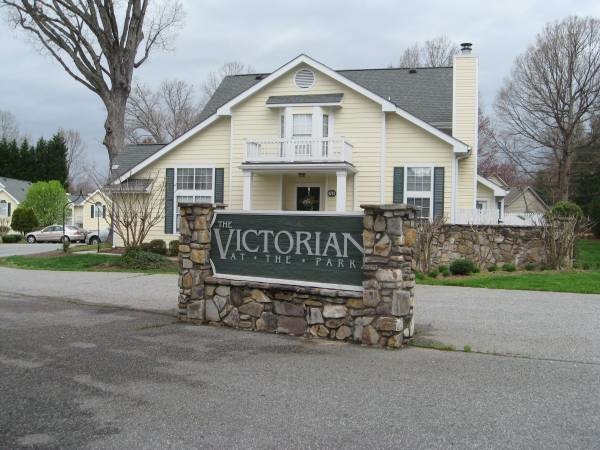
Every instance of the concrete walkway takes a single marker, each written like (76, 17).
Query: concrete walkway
(525, 323)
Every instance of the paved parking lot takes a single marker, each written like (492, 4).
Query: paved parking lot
(80, 376)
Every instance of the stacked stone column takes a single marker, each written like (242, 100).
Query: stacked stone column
(388, 278)
(194, 258)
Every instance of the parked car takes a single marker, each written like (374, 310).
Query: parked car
(54, 233)
(95, 236)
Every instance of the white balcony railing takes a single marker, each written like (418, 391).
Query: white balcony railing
(299, 150)
(492, 217)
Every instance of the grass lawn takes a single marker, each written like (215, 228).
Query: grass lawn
(76, 262)
(577, 281)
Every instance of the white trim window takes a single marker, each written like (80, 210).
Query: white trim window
(3, 208)
(193, 184)
(419, 190)
(302, 130)
(481, 204)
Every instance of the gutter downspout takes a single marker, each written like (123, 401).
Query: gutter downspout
(455, 182)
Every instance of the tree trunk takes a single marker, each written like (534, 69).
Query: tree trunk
(564, 172)
(114, 126)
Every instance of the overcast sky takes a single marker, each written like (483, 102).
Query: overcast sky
(342, 34)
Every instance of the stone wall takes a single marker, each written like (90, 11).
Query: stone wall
(489, 244)
(380, 315)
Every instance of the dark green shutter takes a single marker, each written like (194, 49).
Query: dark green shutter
(438, 192)
(92, 208)
(8, 209)
(104, 212)
(398, 191)
(219, 185)
(169, 193)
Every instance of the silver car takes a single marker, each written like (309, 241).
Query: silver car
(54, 233)
(95, 236)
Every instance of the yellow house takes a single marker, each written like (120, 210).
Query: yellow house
(12, 194)
(90, 211)
(308, 137)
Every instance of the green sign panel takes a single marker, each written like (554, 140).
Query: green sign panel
(312, 250)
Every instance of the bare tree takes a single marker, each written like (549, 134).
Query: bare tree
(76, 158)
(548, 103)
(135, 206)
(9, 130)
(436, 52)
(411, 57)
(428, 237)
(214, 78)
(99, 44)
(163, 115)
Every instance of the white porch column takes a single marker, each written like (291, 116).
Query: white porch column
(340, 202)
(247, 199)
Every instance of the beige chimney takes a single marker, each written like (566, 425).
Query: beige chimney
(465, 92)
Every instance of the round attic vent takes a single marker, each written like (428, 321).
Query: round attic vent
(304, 78)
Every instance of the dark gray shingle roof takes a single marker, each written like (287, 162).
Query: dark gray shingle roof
(314, 98)
(16, 188)
(426, 94)
(134, 154)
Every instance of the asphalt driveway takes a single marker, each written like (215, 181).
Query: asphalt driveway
(26, 249)
(555, 326)
(80, 376)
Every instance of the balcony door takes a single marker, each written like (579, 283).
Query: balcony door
(302, 131)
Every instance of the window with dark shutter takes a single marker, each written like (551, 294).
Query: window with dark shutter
(398, 189)
(219, 185)
(169, 199)
(438, 192)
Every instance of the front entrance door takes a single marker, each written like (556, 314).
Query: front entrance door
(308, 198)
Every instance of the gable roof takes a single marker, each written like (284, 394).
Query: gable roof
(498, 190)
(17, 189)
(422, 96)
(515, 192)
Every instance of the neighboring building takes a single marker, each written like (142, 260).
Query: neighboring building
(12, 194)
(89, 210)
(307, 137)
(524, 200)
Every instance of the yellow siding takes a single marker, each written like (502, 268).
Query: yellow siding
(266, 192)
(359, 120)
(487, 194)
(464, 126)
(407, 143)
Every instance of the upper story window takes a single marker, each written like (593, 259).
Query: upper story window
(304, 78)
(419, 190)
(3, 208)
(302, 125)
